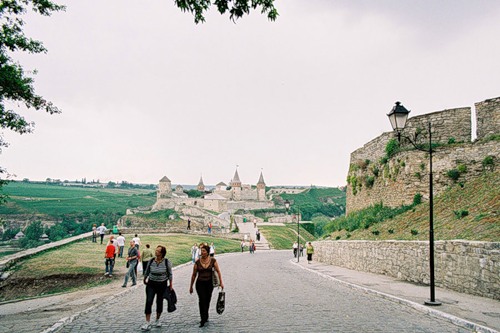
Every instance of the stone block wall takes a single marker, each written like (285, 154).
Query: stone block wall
(396, 182)
(463, 266)
(488, 117)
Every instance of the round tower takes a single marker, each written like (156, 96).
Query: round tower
(164, 188)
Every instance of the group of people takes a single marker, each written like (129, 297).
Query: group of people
(298, 249)
(196, 252)
(113, 249)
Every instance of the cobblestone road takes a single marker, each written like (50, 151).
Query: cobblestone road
(265, 293)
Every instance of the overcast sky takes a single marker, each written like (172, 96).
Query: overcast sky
(146, 93)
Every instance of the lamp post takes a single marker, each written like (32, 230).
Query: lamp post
(398, 117)
(287, 207)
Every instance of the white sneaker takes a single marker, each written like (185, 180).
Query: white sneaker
(146, 327)
(157, 323)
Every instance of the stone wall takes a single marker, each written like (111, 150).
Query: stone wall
(373, 178)
(249, 205)
(463, 266)
(488, 117)
(407, 174)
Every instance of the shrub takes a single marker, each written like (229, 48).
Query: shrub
(369, 181)
(375, 171)
(414, 232)
(348, 235)
(488, 162)
(392, 148)
(462, 168)
(417, 199)
(454, 174)
(337, 238)
(460, 213)
(451, 141)
(422, 166)
(384, 160)
(375, 232)
(418, 175)
(391, 231)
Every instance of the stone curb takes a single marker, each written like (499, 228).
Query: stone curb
(419, 307)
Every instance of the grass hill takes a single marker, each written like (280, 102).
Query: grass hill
(471, 212)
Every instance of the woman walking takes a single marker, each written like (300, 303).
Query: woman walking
(131, 264)
(156, 278)
(202, 273)
(146, 256)
(310, 252)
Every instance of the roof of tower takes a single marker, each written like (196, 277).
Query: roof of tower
(261, 179)
(236, 177)
(164, 179)
(221, 184)
(201, 181)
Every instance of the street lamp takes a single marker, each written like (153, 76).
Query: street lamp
(287, 207)
(398, 117)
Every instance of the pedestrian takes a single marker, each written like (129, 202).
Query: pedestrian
(94, 233)
(102, 230)
(202, 273)
(131, 264)
(301, 248)
(209, 228)
(212, 250)
(251, 247)
(295, 247)
(146, 256)
(194, 252)
(120, 240)
(242, 245)
(109, 258)
(310, 252)
(157, 278)
(257, 234)
(189, 224)
(254, 223)
(137, 241)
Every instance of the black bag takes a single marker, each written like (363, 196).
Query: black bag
(221, 302)
(128, 264)
(171, 298)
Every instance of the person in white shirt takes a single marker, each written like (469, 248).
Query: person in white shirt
(102, 230)
(137, 241)
(120, 240)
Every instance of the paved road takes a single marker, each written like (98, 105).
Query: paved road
(265, 293)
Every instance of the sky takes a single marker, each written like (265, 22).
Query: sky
(147, 93)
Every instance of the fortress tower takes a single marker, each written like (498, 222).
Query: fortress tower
(235, 187)
(201, 186)
(164, 188)
(261, 189)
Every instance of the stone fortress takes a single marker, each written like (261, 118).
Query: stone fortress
(373, 177)
(222, 198)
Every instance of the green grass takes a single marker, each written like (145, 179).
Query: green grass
(480, 198)
(282, 237)
(54, 200)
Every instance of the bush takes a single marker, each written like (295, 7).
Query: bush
(369, 181)
(454, 174)
(414, 232)
(337, 238)
(392, 148)
(417, 199)
(488, 162)
(460, 213)
(462, 168)
(391, 231)
(375, 232)
(451, 141)
(375, 171)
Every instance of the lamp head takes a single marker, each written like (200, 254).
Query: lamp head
(398, 117)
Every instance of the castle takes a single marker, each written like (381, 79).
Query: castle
(373, 177)
(221, 199)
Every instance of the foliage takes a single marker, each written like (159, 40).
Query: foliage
(460, 213)
(462, 168)
(451, 141)
(15, 86)
(319, 222)
(392, 147)
(454, 174)
(194, 193)
(414, 232)
(161, 215)
(488, 162)
(369, 181)
(417, 199)
(236, 8)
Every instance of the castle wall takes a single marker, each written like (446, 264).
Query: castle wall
(250, 194)
(488, 118)
(396, 182)
(464, 266)
(249, 205)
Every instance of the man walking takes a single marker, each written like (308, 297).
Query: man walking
(121, 244)
(109, 256)
(102, 230)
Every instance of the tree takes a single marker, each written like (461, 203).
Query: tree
(236, 8)
(15, 86)
(34, 231)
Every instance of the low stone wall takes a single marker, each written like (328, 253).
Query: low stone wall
(464, 266)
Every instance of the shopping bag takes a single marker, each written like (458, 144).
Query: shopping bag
(221, 302)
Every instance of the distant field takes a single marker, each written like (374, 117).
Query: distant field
(30, 198)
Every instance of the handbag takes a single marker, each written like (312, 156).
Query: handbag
(128, 264)
(221, 302)
(215, 278)
(171, 298)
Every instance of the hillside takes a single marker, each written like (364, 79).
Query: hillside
(326, 201)
(471, 212)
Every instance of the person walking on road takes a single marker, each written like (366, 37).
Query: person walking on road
(295, 247)
(212, 250)
(146, 256)
(120, 240)
(131, 264)
(102, 230)
(94, 233)
(157, 278)
(242, 245)
(194, 252)
(202, 273)
(109, 258)
(309, 252)
(189, 224)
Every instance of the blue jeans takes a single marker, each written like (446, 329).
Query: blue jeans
(120, 254)
(131, 272)
(110, 263)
